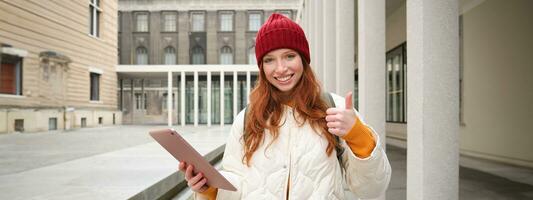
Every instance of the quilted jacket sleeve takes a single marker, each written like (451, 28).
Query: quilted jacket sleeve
(366, 177)
(232, 167)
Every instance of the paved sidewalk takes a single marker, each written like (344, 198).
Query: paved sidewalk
(95, 163)
(119, 162)
(476, 180)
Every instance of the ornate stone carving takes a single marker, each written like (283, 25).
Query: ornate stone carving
(140, 41)
(168, 40)
(51, 60)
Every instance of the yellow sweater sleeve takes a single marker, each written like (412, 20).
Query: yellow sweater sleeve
(360, 139)
(210, 193)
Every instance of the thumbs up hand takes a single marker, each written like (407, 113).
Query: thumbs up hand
(341, 120)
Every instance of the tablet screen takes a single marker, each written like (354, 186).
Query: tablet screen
(183, 151)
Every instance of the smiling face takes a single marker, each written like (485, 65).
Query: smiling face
(283, 68)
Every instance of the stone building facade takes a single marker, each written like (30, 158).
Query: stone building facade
(180, 33)
(57, 65)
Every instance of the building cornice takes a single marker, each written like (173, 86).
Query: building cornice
(185, 5)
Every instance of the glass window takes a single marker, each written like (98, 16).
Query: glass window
(254, 21)
(170, 56)
(202, 99)
(356, 89)
(286, 13)
(215, 99)
(169, 22)
(251, 55)
(119, 21)
(189, 99)
(19, 125)
(83, 122)
(396, 97)
(142, 56)
(52, 123)
(253, 79)
(95, 86)
(10, 74)
(241, 92)
(461, 71)
(198, 56)
(94, 13)
(165, 101)
(226, 56)
(142, 22)
(140, 101)
(226, 22)
(198, 21)
(228, 99)
(119, 54)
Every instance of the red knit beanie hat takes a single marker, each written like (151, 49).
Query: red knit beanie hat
(280, 32)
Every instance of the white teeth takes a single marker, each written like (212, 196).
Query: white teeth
(284, 78)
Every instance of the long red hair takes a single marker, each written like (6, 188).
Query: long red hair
(265, 110)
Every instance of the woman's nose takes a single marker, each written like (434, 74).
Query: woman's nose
(281, 66)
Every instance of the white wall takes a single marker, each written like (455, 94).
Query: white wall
(498, 79)
(396, 34)
(396, 26)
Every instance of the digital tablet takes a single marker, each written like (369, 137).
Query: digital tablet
(183, 151)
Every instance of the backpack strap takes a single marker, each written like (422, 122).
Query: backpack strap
(326, 96)
(244, 135)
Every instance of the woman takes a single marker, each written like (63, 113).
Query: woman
(286, 147)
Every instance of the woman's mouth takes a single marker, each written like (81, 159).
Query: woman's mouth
(284, 79)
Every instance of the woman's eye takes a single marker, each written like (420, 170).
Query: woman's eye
(291, 56)
(267, 60)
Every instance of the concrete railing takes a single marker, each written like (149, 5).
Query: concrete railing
(175, 182)
(140, 71)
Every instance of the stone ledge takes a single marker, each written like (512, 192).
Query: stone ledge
(175, 182)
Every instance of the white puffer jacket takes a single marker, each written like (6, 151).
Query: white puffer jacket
(299, 154)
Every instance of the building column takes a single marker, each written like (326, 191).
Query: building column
(142, 100)
(211, 51)
(433, 102)
(133, 101)
(169, 98)
(329, 30)
(240, 39)
(235, 94)
(121, 94)
(195, 98)
(183, 39)
(371, 36)
(310, 26)
(176, 105)
(345, 52)
(318, 45)
(208, 98)
(221, 98)
(182, 85)
(248, 80)
(371, 51)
